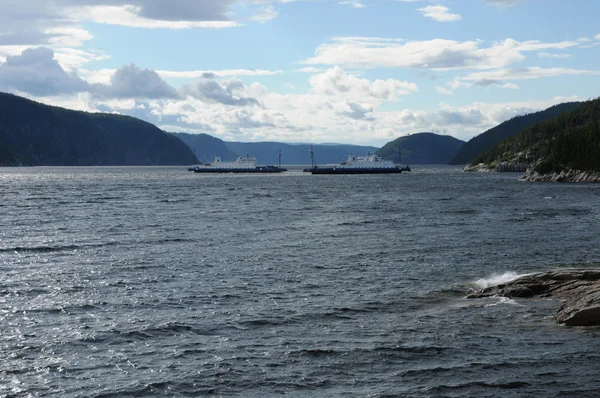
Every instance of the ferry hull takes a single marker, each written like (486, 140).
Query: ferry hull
(335, 170)
(208, 170)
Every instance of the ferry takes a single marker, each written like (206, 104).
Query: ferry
(370, 164)
(240, 165)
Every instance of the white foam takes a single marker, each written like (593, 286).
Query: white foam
(497, 279)
(503, 300)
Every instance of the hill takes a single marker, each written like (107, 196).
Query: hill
(206, 147)
(35, 134)
(422, 148)
(481, 143)
(569, 142)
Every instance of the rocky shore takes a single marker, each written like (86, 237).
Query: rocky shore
(578, 289)
(480, 168)
(563, 176)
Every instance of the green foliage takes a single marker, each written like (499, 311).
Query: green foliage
(422, 148)
(485, 141)
(570, 140)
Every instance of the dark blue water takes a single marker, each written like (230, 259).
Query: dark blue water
(155, 281)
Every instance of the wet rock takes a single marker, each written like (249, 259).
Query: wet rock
(579, 289)
(563, 176)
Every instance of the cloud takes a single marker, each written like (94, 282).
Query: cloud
(443, 90)
(359, 111)
(217, 73)
(59, 23)
(130, 81)
(309, 69)
(337, 82)
(438, 54)
(439, 13)
(228, 92)
(556, 56)
(525, 73)
(36, 72)
(353, 4)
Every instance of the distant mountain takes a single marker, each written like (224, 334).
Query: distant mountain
(478, 145)
(566, 143)
(268, 152)
(206, 147)
(35, 134)
(422, 148)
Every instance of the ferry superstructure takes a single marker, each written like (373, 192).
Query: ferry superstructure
(370, 164)
(240, 165)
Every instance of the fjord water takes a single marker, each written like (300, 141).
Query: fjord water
(156, 281)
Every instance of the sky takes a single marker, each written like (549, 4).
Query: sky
(335, 71)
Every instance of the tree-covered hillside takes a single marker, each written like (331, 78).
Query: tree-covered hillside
(481, 143)
(207, 147)
(35, 134)
(422, 148)
(570, 140)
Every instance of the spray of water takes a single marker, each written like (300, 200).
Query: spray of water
(497, 279)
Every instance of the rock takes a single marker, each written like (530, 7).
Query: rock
(579, 289)
(564, 176)
(480, 168)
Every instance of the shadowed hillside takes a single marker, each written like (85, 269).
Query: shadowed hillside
(422, 148)
(35, 134)
(569, 141)
(478, 145)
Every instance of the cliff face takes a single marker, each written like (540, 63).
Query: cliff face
(34, 134)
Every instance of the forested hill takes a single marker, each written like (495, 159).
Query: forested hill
(35, 134)
(481, 143)
(569, 141)
(207, 147)
(422, 148)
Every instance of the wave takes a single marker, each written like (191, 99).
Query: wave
(497, 279)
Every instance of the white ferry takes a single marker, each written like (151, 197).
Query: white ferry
(370, 164)
(240, 165)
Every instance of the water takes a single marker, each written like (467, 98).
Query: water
(156, 281)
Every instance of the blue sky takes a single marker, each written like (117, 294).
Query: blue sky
(349, 71)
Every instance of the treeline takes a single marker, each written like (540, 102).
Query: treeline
(421, 148)
(485, 141)
(34, 134)
(570, 140)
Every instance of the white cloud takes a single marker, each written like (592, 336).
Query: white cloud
(353, 4)
(556, 56)
(337, 82)
(439, 54)
(227, 92)
(309, 69)
(526, 73)
(128, 15)
(439, 13)
(443, 90)
(36, 72)
(130, 81)
(196, 74)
